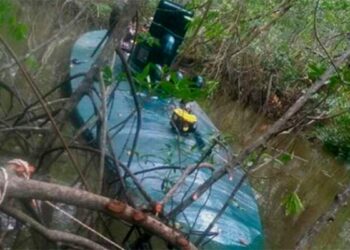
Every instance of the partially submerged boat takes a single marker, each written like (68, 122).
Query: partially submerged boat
(163, 152)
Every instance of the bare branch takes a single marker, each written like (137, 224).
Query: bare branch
(30, 189)
(53, 235)
(276, 128)
(324, 220)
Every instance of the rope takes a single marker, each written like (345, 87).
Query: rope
(6, 182)
(24, 164)
(84, 225)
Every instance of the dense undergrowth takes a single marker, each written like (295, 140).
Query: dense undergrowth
(266, 54)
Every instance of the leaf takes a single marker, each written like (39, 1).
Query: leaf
(334, 81)
(292, 204)
(146, 37)
(8, 20)
(171, 85)
(346, 75)
(142, 77)
(32, 63)
(6, 11)
(19, 31)
(107, 74)
(316, 70)
(285, 158)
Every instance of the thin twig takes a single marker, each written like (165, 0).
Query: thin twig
(186, 173)
(53, 235)
(136, 102)
(102, 131)
(38, 94)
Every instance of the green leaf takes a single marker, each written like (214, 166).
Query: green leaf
(346, 75)
(146, 37)
(292, 204)
(334, 81)
(20, 31)
(107, 74)
(8, 20)
(170, 85)
(285, 158)
(32, 63)
(316, 70)
(6, 11)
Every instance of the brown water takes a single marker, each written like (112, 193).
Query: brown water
(313, 173)
(44, 19)
(49, 65)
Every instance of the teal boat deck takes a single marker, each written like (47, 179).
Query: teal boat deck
(160, 147)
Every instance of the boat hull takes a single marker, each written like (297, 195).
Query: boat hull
(161, 155)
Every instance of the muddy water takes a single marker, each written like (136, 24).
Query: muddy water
(314, 174)
(49, 40)
(49, 65)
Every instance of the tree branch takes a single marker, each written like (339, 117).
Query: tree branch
(30, 189)
(340, 200)
(53, 235)
(263, 139)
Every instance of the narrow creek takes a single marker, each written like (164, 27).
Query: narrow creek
(314, 174)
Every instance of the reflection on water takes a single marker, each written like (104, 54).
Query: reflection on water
(314, 174)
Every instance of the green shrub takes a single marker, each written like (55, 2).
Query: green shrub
(336, 136)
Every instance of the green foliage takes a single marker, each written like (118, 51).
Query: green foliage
(316, 70)
(32, 63)
(227, 138)
(102, 9)
(285, 158)
(146, 37)
(9, 22)
(107, 75)
(6, 11)
(171, 85)
(179, 88)
(251, 160)
(336, 136)
(292, 204)
(250, 51)
(19, 30)
(334, 132)
(192, 4)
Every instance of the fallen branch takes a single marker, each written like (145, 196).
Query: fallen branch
(340, 200)
(276, 128)
(30, 189)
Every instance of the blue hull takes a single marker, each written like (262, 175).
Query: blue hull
(239, 227)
